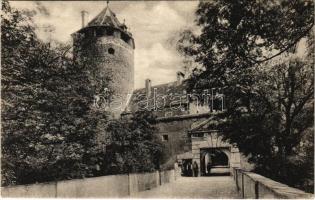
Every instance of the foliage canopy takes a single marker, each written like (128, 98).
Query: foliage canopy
(50, 129)
(269, 103)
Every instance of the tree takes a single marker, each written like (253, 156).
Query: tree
(271, 123)
(238, 35)
(269, 105)
(51, 127)
(133, 145)
(49, 130)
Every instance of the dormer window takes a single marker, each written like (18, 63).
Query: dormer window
(168, 114)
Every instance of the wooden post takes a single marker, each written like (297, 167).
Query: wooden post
(243, 191)
(160, 180)
(236, 179)
(256, 190)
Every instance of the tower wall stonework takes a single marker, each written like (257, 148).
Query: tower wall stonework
(111, 60)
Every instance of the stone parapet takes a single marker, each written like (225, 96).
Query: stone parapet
(254, 186)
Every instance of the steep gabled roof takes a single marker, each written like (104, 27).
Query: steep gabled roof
(165, 91)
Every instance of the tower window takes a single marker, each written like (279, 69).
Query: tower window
(111, 51)
(110, 32)
(125, 38)
(99, 32)
(164, 137)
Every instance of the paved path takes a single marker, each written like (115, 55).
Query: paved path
(195, 187)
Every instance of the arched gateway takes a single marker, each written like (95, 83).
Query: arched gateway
(212, 154)
(214, 161)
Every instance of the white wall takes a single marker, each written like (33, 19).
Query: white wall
(115, 186)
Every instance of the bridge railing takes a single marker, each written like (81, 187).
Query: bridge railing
(254, 186)
(111, 186)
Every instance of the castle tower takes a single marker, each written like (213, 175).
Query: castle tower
(108, 49)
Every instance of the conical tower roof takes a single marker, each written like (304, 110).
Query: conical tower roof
(106, 18)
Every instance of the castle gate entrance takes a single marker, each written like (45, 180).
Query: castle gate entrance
(208, 147)
(215, 161)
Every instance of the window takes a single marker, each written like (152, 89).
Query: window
(125, 38)
(99, 32)
(164, 137)
(197, 135)
(110, 32)
(111, 51)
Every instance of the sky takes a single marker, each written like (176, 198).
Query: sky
(155, 25)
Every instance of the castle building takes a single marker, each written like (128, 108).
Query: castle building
(185, 124)
(107, 47)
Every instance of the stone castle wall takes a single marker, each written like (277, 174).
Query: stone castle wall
(179, 141)
(113, 186)
(176, 128)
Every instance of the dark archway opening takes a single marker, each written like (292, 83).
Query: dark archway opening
(219, 158)
(214, 161)
(186, 167)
